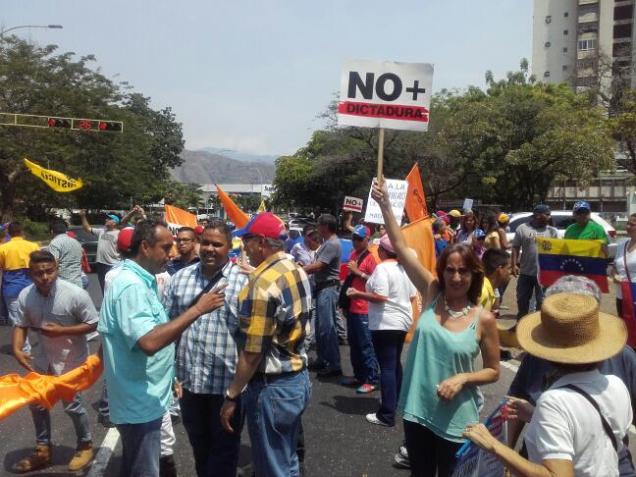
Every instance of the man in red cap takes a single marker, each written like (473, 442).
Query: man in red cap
(274, 310)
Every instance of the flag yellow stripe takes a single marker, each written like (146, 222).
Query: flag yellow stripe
(577, 248)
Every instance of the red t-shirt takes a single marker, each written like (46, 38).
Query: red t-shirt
(367, 266)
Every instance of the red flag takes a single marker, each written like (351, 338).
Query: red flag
(415, 205)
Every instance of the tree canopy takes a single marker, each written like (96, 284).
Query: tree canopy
(117, 169)
(504, 144)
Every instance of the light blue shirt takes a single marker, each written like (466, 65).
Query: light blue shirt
(139, 386)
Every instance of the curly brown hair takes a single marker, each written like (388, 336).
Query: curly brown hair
(472, 263)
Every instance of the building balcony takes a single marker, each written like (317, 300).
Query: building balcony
(588, 2)
(588, 17)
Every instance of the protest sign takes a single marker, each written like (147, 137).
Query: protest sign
(354, 204)
(385, 94)
(397, 195)
(468, 205)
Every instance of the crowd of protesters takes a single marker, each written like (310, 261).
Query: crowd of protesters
(186, 324)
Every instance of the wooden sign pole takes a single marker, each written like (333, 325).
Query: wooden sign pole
(380, 153)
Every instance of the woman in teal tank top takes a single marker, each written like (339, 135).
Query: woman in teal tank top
(439, 394)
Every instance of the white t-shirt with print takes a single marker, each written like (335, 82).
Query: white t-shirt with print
(390, 280)
(619, 263)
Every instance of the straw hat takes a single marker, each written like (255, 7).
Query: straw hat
(570, 329)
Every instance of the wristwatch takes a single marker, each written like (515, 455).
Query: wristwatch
(230, 398)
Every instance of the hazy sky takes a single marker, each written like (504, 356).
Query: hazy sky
(252, 75)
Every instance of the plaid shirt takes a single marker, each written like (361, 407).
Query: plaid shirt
(207, 353)
(274, 310)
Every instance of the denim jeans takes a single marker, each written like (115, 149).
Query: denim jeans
(326, 337)
(388, 348)
(141, 449)
(102, 269)
(273, 407)
(75, 410)
(365, 364)
(215, 450)
(526, 286)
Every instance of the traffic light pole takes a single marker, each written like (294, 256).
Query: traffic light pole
(57, 122)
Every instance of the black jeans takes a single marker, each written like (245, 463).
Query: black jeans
(102, 269)
(216, 451)
(429, 454)
(388, 349)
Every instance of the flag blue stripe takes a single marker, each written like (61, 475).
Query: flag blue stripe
(574, 264)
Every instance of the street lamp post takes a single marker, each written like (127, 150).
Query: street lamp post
(2, 32)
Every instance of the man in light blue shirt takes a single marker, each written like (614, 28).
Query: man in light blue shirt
(138, 347)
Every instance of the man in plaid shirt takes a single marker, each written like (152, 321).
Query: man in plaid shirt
(207, 352)
(274, 309)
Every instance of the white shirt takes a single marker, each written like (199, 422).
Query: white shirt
(566, 426)
(619, 263)
(390, 280)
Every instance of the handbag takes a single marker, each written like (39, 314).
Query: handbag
(628, 307)
(344, 301)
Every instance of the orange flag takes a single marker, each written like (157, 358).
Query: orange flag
(232, 210)
(419, 236)
(180, 217)
(17, 391)
(415, 205)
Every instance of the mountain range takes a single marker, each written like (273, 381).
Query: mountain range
(208, 167)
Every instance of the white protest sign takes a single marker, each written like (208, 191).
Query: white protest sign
(385, 94)
(354, 204)
(397, 196)
(468, 205)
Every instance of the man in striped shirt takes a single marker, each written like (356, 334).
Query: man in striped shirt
(207, 352)
(274, 310)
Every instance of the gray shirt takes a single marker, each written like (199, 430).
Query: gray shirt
(107, 246)
(66, 305)
(68, 253)
(329, 254)
(525, 239)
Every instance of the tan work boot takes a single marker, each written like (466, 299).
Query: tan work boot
(40, 459)
(83, 457)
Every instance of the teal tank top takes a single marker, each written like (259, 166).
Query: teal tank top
(436, 354)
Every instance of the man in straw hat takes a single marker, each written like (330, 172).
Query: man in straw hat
(579, 423)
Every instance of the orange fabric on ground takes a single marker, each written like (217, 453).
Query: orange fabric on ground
(232, 210)
(17, 391)
(415, 205)
(177, 216)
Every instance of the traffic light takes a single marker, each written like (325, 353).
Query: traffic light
(59, 123)
(111, 126)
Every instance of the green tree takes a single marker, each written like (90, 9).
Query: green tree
(117, 169)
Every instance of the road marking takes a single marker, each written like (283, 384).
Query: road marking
(515, 367)
(104, 453)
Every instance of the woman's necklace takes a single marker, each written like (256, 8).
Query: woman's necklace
(456, 315)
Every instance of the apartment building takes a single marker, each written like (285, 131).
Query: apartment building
(578, 41)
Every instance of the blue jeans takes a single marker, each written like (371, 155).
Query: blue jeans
(274, 406)
(216, 451)
(363, 360)
(526, 286)
(74, 409)
(388, 348)
(326, 337)
(141, 449)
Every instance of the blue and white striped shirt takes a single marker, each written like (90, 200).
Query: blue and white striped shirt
(207, 352)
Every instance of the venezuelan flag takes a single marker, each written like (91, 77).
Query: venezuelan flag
(560, 257)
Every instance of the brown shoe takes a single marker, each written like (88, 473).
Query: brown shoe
(40, 459)
(82, 458)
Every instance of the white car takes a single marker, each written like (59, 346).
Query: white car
(561, 219)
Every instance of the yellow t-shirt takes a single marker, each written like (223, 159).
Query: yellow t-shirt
(487, 297)
(492, 240)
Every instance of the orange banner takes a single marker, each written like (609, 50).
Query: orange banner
(17, 391)
(180, 217)
(415, 205)
(419, 236)
(232, 210)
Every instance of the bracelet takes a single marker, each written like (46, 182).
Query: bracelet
(230, 398)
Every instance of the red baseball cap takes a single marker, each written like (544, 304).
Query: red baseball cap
(198, 230)
(124, 239)
(265, 224)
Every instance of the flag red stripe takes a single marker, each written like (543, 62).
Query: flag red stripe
(548, 277)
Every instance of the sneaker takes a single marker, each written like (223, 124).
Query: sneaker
(373, 419)
(105, 421)
(83, 457)
(366, 388)
(329, 373)
(401, 461)
(39, 459)
(349, 381)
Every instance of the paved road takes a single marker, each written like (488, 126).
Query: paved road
(339, 440)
